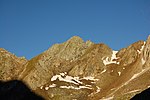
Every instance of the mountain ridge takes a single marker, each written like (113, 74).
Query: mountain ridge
(76, 69)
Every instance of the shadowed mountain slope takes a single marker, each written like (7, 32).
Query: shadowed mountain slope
(16, 90)
(144, 95)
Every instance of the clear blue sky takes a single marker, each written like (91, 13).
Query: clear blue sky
(29, 27)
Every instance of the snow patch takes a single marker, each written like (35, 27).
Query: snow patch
(75, 80)
(98, 89)
(118, 63)
(119, 73)
(70, 79)
(88, 85)
(103, 71)
(46, 88)
(53, 85)
(109, 98)
(112, 88)
(148, 86)
(41, 87)
(110, 60)
(62, 74)
(114, 55)
(93, 82)
(54, 77)
(139, 51)
(76, 88)
(90, 78)
(142, 47)
(143, 61)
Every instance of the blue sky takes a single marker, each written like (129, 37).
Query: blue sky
(29, 27)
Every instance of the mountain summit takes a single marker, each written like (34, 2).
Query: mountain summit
(82, 70)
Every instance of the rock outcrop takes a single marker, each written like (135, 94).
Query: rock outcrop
(78, 70)
(10, 65)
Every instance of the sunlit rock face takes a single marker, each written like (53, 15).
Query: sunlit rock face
(82, 70)
(10, 65)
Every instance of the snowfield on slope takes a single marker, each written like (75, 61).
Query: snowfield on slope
(108, 60)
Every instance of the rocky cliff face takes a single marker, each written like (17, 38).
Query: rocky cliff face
(10, 65)
(78, 70)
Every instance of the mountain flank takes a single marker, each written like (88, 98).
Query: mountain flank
(82, 70)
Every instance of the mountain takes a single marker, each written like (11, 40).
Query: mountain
(78, 70)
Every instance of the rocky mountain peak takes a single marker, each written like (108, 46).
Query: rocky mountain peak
(75, 39)
(83, 70)
(70, 49)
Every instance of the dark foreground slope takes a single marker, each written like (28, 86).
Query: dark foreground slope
(145, 95)
(16, 90)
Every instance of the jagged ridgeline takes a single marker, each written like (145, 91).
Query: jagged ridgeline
(82, 70)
